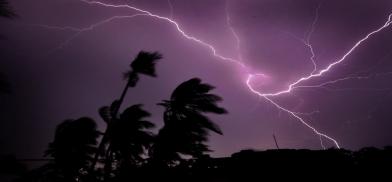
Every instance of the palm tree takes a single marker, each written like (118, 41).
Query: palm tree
(73, 147)
(144, 63)
(5, 9)
(128, 138)
(186, 127)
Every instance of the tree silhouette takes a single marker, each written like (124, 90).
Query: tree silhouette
(128, 138)
(5, 10)
(73, 146)
(144, 63)
(4, 85)
(186, 127)
(10, 165)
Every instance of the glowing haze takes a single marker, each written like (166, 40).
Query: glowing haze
(293, 59)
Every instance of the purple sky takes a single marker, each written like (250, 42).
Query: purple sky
(53, 82)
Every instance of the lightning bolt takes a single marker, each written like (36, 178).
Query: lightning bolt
(294, 114)
(239, 60)
(233, 32)
(308, 37)
(330, 66)
(322, 143)
(177, 26)
(345, 79)
(313, 75)
(308, 113)
(171, 8)
(79, 31)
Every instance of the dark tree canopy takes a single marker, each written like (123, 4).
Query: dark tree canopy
(6, 12)
(73, 146)
(129, 136)
(186, 127)
(144, 63)
(5, 9)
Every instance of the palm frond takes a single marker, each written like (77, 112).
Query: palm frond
(134, 113)
(74, 144)
(129, 137)
(194, 95)
(186, 127)
(144, 63)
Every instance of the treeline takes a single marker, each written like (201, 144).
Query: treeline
(333, 164)
(371, 164)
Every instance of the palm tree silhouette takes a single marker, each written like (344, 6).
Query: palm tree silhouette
(144, 63)
(186, 127)
(128, 138)
(73, 146)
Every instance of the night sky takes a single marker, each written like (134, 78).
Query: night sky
(58, 72)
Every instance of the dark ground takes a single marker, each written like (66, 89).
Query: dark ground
(250, 165)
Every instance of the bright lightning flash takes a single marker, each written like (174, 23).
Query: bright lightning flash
(239, 60)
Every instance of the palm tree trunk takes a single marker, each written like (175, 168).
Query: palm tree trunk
(120, 101)
(108, 163)
(101, 146)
